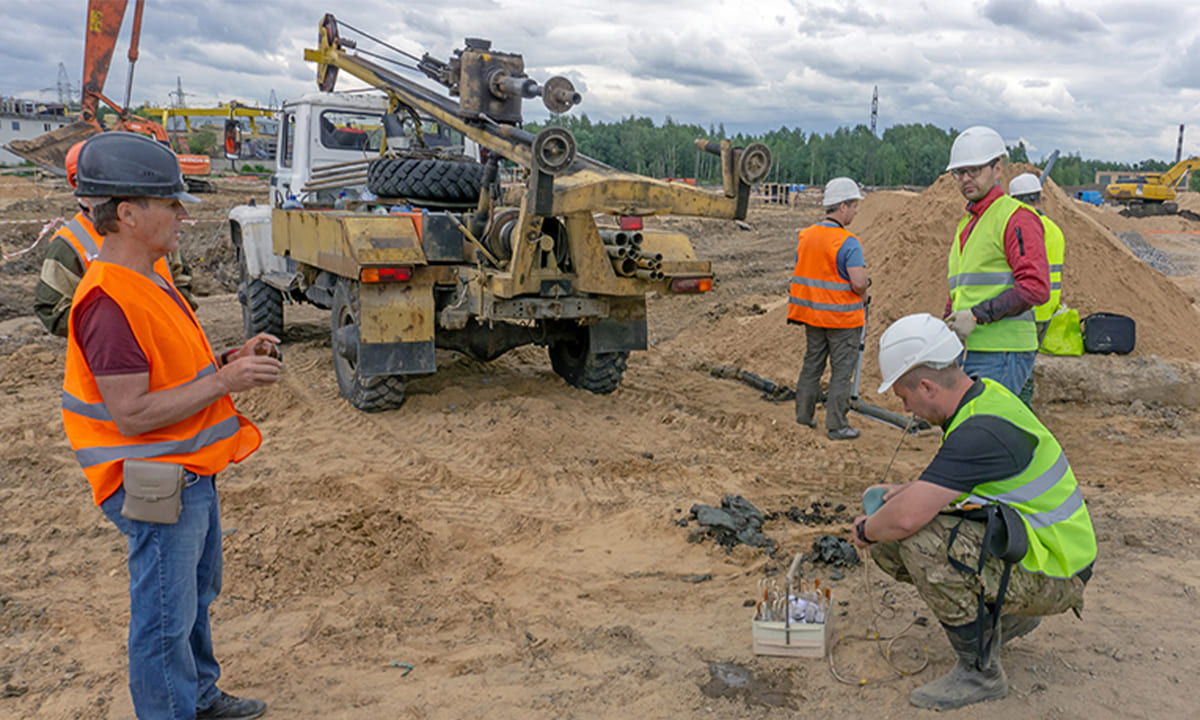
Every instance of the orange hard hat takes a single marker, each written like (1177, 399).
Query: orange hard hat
(73, 161)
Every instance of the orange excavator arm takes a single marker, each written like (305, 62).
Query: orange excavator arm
(104, 18)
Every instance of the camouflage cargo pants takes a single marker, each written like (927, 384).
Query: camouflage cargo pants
(953, 596)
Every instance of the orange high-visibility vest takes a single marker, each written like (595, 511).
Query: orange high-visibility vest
(81, 235)
(178, 353)
(819, 296)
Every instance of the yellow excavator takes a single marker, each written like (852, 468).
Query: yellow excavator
(1152, 194)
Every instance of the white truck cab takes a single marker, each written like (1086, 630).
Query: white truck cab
(327, 138)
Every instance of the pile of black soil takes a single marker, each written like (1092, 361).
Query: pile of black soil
(834, 551)
(818, 513)
(736, 522)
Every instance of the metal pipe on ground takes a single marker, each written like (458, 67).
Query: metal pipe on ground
(616, 251)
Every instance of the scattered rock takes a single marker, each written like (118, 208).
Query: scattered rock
(698, 578)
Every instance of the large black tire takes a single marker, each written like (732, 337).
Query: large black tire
(599, 373)
(262, 305)
(425, 179)
(374, 394)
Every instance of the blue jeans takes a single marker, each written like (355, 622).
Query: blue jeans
(174, 575)
(1010, 369)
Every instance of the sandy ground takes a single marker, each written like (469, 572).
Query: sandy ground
(515, 540)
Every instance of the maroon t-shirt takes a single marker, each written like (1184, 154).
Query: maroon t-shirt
(105, 337)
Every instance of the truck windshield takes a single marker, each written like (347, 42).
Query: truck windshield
(348, 130)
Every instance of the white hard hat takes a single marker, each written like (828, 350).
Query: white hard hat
(1024, 184)
(976, 145)
(839, 190)
(913, 340)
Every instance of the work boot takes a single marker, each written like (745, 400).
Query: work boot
(971, 680)
(846, 433)
(806, 423)
(228, 707)
(1015, 626)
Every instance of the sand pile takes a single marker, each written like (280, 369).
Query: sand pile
(906, 237)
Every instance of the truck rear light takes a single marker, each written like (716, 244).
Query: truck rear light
(691, 285)
(386, 274)
(631, 222)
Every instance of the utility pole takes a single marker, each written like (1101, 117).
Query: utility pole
(874, 108)
(178, 94)
(1179, 147)
(64, 87)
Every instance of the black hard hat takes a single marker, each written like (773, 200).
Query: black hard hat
(125, 164)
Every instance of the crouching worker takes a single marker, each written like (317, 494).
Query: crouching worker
(146, 407)
(994, 534)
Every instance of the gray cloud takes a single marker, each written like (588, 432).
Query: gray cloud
(1029, 68)
(1183, 68)
(1048, 21)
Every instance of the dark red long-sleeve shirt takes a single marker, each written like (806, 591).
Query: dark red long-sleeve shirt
(1025, 249)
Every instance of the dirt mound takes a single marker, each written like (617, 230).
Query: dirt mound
(906, 236)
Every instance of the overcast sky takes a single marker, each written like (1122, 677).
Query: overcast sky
(1106, 79)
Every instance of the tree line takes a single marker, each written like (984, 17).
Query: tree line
(903, 155)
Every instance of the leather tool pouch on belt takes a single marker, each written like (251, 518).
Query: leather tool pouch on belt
(1004, 537)
(153, 491)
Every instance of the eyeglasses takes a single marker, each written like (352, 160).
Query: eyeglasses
(971, 172)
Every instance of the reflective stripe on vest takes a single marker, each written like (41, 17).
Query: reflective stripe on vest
(1055, 252)
(978, 270)
(81, 235)
(818, 295)
(227, 428)
(178, 353)
(1061, 539)
(98, 411)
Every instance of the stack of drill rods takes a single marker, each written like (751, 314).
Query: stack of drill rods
(624, 249)
(621, 237)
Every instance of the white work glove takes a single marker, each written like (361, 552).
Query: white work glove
(962, 322)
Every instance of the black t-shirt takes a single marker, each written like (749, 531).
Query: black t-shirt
(984, 448)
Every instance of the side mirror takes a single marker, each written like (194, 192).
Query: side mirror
(233, 139)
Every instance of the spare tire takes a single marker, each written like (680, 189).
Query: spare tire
(425, 179)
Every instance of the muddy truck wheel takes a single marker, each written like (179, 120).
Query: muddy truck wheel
(369, 394)
(262, 305)
(599, 373)
(425, 179)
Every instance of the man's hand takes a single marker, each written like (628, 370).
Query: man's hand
(261, 344)
(854, 533)
(962, 322)
(249, 371)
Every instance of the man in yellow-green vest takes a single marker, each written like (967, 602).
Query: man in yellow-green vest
(1027, 188)
(994, 534)
(997, 267)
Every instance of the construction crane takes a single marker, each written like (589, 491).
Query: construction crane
(1153, 193)
(104, 19)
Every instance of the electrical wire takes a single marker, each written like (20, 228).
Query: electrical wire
(885, 650)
